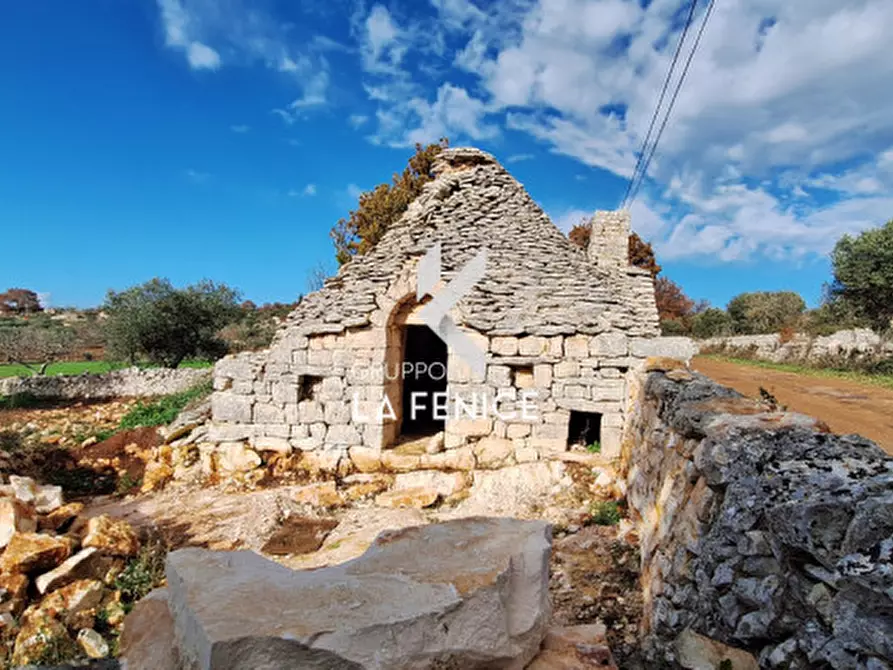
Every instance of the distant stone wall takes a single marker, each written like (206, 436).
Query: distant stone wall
(844, 344)
(757, 529)
(131, 382)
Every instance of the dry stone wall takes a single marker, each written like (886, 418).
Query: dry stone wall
(321, 395)
(128, 383)
(858, 343)
(760, 530)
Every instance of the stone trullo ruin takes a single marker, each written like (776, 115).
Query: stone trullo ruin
(559, 325)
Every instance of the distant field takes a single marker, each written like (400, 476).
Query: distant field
(78, 367)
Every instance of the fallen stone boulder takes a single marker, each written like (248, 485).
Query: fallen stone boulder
(469, 593)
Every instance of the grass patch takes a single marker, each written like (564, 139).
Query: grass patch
(79, 367)
(594, 448)
(605, 513)
(882, 380)
(163, 410)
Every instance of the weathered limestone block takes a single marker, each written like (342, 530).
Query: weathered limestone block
(493, 452)
(33, 552)
(607, 390)
(533, 345)
(417, 600)
(682, 348)
(418, 497)
(504, 346)
(576, 346)
(235, 367)
(442, 483)
(542, 376)
(332, 389)
(15, 516)
(268, 443)
(339, 412)
(230, 432)
(88, 563)
(111, 536)
(231, 407)
(233, 457)
(567, 369)
(365, 459)
(266, 413)
(470, 427)
(499, 375)
(609, 345)
(343, 435)
(460, 458)
(148, 639)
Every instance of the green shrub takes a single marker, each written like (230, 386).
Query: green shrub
(20, 401)
(163, 410)
(594, 448)
(605, 513)
(144, 572)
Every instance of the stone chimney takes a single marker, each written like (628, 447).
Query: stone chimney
(609, 240)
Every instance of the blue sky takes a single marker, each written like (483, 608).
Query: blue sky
(222, 139)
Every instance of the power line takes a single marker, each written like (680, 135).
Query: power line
(660, 101)
(663, 126)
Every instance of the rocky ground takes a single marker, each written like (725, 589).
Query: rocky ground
(305, 520)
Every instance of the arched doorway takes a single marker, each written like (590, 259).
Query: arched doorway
(415, 375)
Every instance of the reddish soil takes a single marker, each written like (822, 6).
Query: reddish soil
(119, 452)
(846, 406)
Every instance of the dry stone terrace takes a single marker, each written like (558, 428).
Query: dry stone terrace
(558, 325)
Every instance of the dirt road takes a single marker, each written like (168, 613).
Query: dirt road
(846, 406)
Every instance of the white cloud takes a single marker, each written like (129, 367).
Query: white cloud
(357, 120)
(207, 30)
(308, 191)
(453, 113)
(178, 27)
(383, 45)
(782, 98)
(202, 57)
(568, 218)
(518, 158)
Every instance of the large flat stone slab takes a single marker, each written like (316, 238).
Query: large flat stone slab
(471, 592)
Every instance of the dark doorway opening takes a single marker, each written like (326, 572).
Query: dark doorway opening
(585, 429)
(424, 374)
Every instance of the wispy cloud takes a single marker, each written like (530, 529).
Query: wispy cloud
(205, 29)
(240, 128)
(357, 120)
(179, 34)
(518, 158)
(196, 176)
(308, 191)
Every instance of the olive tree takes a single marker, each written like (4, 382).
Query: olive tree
(167, 325)
(863, 273)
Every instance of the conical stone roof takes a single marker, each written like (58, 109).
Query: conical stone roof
(537, 282)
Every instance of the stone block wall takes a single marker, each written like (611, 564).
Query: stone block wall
(321, 395)
(844, 345)
(760, 530)
(128, 383)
